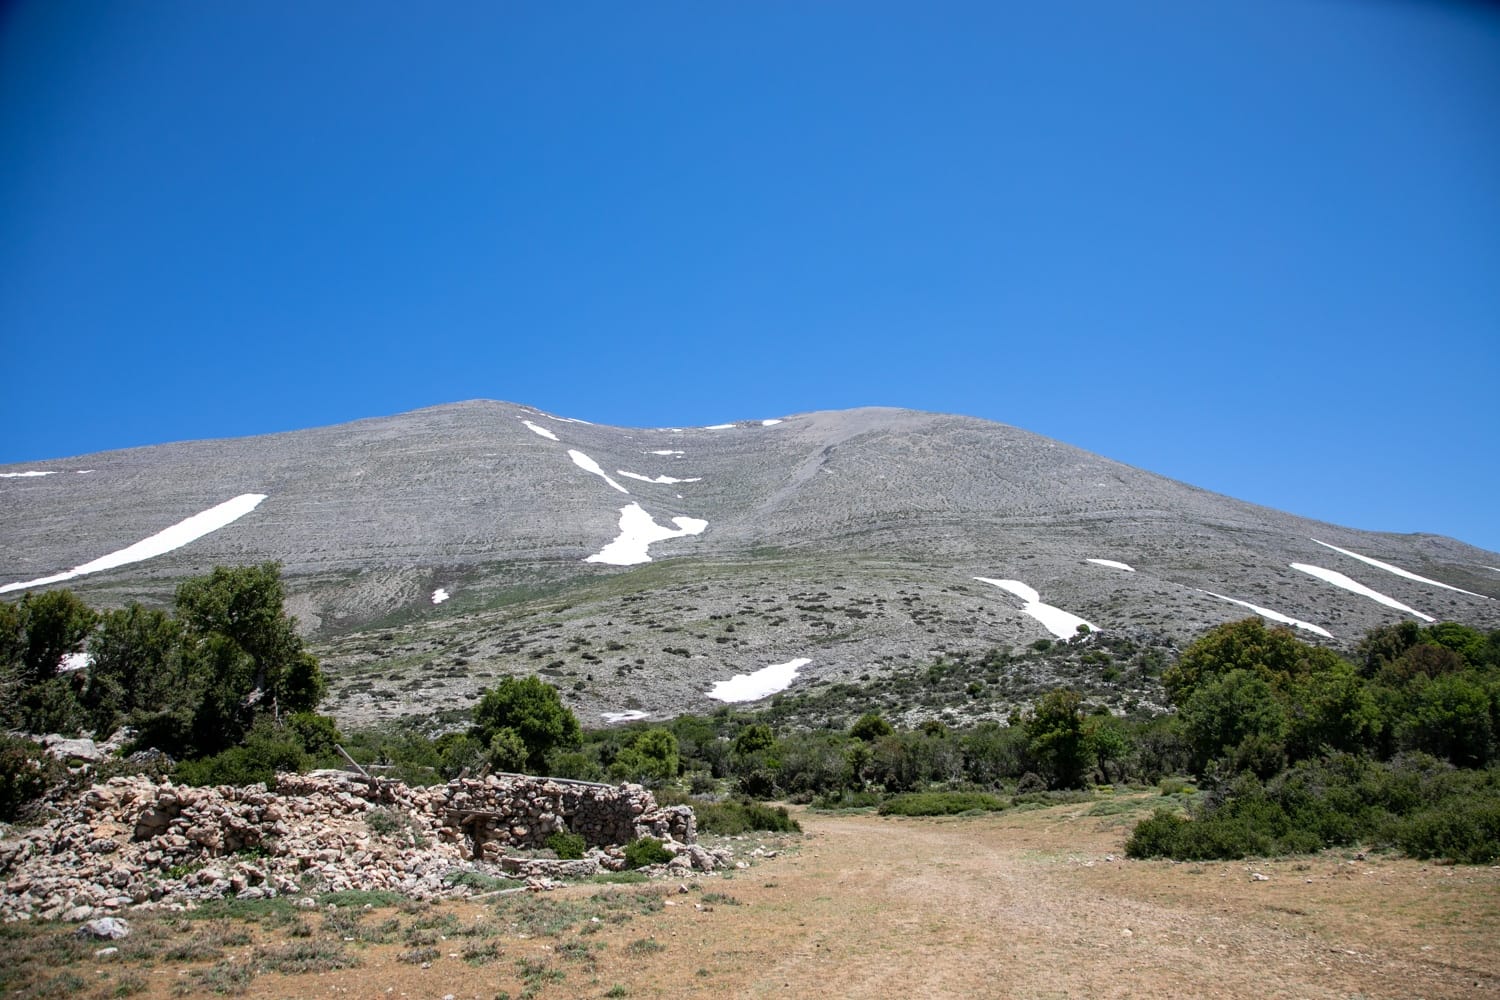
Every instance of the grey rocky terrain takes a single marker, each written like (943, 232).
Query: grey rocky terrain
(852, 539)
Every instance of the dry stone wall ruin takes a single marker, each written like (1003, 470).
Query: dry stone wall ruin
(139, 842)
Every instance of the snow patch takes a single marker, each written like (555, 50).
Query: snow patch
(763, 682)
(628, 716)
(1355, 587)
(160, 543)
(1112, 564)
(1063, 624)
(27, 474)
(1397, 570)
(440, 595)
(718, 427)
(770, 423)
(664, 451)
(638, 530)
(589, 465)
(538, 429)
(83, 472)
(1275, 616)
(664, 480)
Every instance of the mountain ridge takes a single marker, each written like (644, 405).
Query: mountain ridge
(500, 505)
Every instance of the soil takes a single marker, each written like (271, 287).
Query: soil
(1025, 904)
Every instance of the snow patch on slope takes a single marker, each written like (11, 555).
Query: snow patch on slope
(664, 480)
(1063, 624)
(440, 595)
(718, 427)
(664, 451)
(28, 474)
(770, 423)
(630, 715)
(1275, 616)
(589, 465)
(1397, 570)
(1355, 587)
(538, 429)
(162, 542)
(638, 530)
(1112, 564)
(760, 684)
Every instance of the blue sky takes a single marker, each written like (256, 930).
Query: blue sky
(1251, 245)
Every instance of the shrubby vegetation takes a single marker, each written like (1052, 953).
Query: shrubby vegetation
(1304, 750)
(222, 683)
(1293, 747)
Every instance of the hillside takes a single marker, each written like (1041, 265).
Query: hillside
(429, 552)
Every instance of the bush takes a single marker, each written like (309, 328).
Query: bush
(26, 772)
(266, 750)
(1456, 831)
(568, 846)
(646, 851)
(939, 804)
(742, 816)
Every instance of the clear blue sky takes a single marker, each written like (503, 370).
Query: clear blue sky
(1250, 245)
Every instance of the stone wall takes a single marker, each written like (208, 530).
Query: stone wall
(135, 841)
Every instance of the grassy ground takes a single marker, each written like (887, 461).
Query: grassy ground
(1031, 903)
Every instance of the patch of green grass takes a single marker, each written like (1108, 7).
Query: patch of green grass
(376, 898)
(738, 816)
(618, 878)
(1121, 806)
(720, 899)
(477, 881)
(940, 804)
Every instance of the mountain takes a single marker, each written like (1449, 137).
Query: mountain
(430, 552)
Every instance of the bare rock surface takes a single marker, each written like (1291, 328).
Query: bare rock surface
(850, 538)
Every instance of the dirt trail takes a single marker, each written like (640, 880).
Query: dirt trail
(1028, 905)
(1019, 904)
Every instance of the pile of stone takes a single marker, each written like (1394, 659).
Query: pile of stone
(516, 811)
(139, 842)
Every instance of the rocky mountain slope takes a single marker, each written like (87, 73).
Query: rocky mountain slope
(430, 552)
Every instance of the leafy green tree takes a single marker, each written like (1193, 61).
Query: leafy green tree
(1236, 717)
(1331, 710)
(53, 625)
(870, 727)
(1104, 741)
(1056, 738)
(507, 750)
(245, 606)
(650, 755)
(531, 708)
(133, 665)
(1451, 716)
(242, 655)
(1274, 655)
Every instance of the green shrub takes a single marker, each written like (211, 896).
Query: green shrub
(1458, 831)
(26, 772)
(646, 851)
(737, 816)
(939, 804)
(568, 846)
(1157, 837)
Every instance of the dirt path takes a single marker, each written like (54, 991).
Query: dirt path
(1021, 904)
(1028, 905)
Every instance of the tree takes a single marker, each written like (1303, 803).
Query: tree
(55, 624)
(1273, 654)
(870, 727)
(242, 652)
(534, 710)
(650, 755)
(133, 653)
(1056, 737)
(1237, 717)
